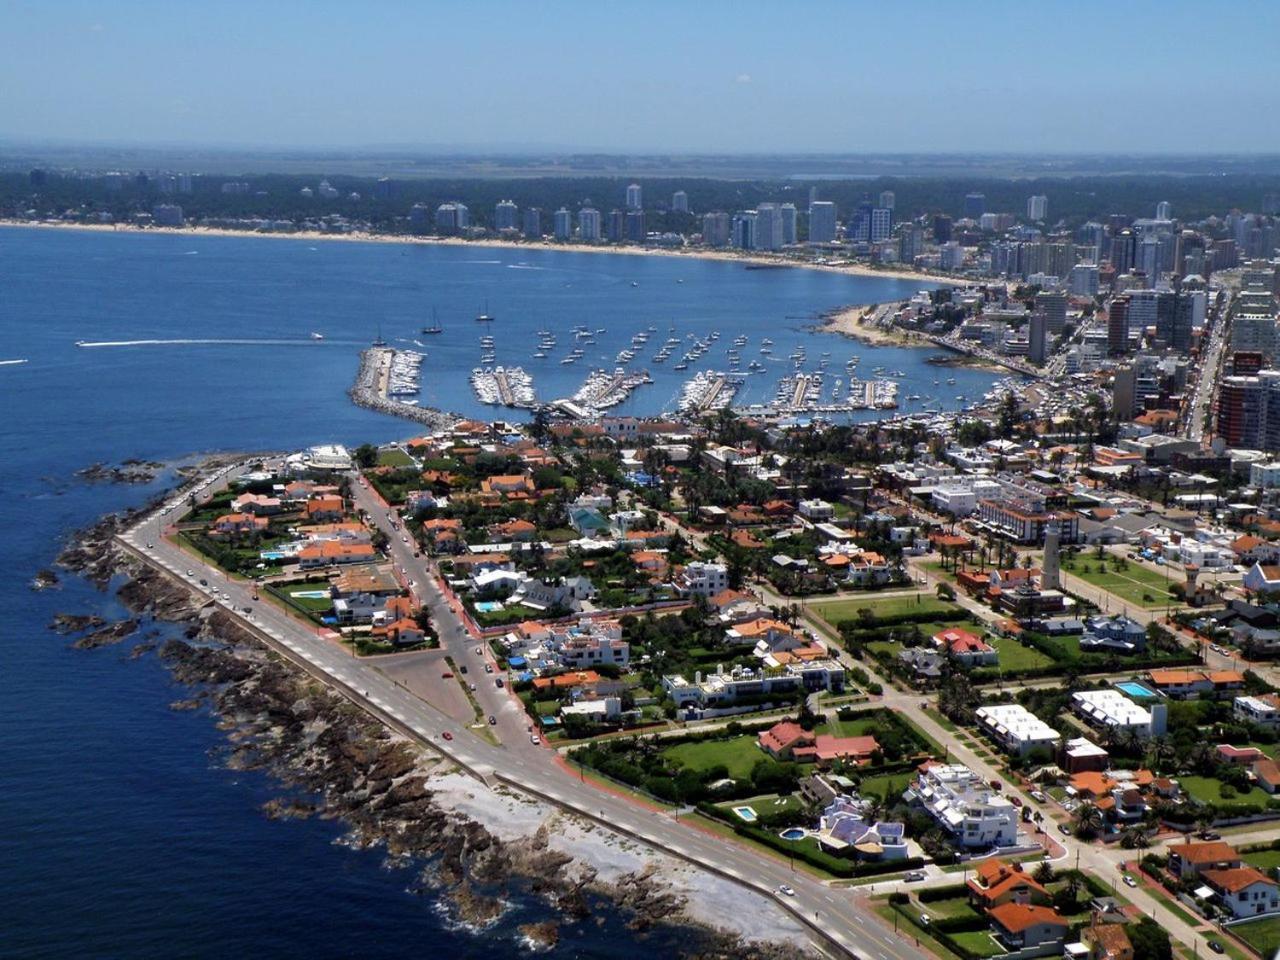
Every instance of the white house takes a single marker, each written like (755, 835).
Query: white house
(964, 805)
(817, 510)
(1017, 729)
(702, 579)
(1244, 891)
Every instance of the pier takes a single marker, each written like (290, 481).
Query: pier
(602, 389)
(709, 390)
(504, 387)
(370, 390)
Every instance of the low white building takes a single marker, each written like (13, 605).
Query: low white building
(817, 510)
(1263, 710)
(1265, 476)
(965, 806)
(1111, 710)
(1017, 729)
(700, 579)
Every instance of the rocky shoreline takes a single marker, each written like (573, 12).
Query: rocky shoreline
(334, 761)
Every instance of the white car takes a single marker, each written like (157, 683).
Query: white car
(534, 739)
(786, 891)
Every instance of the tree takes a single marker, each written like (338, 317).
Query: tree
(1150, 941)
(1089, 821)
(366, 455)
(1044, 873)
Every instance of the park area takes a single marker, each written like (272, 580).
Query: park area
(891, 608)
(1132, 583)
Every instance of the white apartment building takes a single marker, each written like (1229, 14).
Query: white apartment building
(1017, 729)
(1264, 710)
(965, 806)
(702, 579)
(1111, 710)
(817, 510)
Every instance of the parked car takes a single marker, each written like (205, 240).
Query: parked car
(493, 721)
(1037, 796)
(488, 668)
(1064, 829)
(535, 739)
(1216, 947)
(913, 876)
(497, 682)
(786, 891)
(925, 919)
(1129, 881)
(447, 735)
(446, 675)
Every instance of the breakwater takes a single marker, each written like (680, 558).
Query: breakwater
(370, 391)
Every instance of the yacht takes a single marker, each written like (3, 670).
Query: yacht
(435, 324)
(317, 336)
(484, 316)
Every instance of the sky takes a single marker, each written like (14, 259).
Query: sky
(699, 76)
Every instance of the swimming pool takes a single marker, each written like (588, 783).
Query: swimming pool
(311, 594)
(1135, 689)
(488, 606)
(746, 813)
(794, 833)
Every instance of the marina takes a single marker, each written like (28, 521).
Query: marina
(603, 390)
(504, 387)
(709, 391)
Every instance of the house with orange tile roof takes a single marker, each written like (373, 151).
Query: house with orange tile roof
(256, 504)
(1249, 550)
(1024, 926)
(518, 530)
(511, 485)
(827, 748)
(997, 881)
(1107, 941)
(404, 632)
(747, 540)
(327, 553)
(782, 738)
(764, 633)
(869, 569)
(1091, 784)
(1188, 860)
(237, 525)
(324, 508)
(1267, 773)
(1239, 756)
(1192, 684)
(965, 648)
(1245, 891)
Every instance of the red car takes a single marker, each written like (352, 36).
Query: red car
(447, 735)
(446, 675)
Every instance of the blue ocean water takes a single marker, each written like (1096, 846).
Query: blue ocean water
(124, 835)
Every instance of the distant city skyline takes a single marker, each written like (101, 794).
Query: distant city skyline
(983, 77)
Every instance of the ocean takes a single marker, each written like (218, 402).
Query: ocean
(125, 835)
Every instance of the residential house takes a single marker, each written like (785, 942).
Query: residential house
(1107, 941)
(1114, 634)
(965, 648)
(319, 509)
(1017, 729)
(256, 504)
(238, 525)
(327, 553)
(1250, 550)
(1195, 684)
(1244, 891)
(1262, 578)
(701, 579)
(996, 881)
(844, 828)
(1267, 774)
(515, 486)
(1263, 710)
(965, 806)
(1189, 860)
(1027, 927)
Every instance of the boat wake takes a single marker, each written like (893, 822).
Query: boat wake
(11, 363)
(202, 342)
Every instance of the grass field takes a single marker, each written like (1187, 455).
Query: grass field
(979, 942)
(947, 909)
(1262, 935)
(840, 610)
(1131, 584)
(1015, 657)
(1264, 860)
(1205, 789)
(394, 458)
(738, 754)
(894, 783)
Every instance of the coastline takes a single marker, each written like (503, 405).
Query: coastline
(469, 847)
(850, 322)
(848, 269)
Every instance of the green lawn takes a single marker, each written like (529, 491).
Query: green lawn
(1264, 860)
(979, 942)
(738, 754)
(952, 907)
(394, 458)
(1262, 935)
(894, 783)
(1205, 789)
(839, 610)
(1130, 584)
(1014, 657)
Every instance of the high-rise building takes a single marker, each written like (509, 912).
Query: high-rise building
(743, 230)
(419, 217)
(635, 226)
(1124, 393)
(616, 226)
(822, 221)
(1249, 410)
(589, 225)
(1037, 207)
(166, 215)
(562, 224)
(715, 229)
(452, 217)
(680, 202)
(1164, 210)
(788, 211)
(1124, 250)
(1037, 337)
(385, 189)
(634, 200)
(768, 233)
(910, 243)
(1118, 326)
(941, 228)
(1253, 321)
(1084, 280)
(975, 205)
(531, 223)
(1053, 304)
(505, 215)
(880, 225)
(887, 199)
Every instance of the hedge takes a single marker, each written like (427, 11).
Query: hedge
(950, 892)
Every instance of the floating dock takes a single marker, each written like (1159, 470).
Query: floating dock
(602, 389)
(709, 390)
(504, 387)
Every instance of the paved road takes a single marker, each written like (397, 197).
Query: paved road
(835, 916)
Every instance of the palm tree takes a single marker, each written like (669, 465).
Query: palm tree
(1089, 820)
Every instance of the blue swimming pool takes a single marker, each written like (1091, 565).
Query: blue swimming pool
(488, 606)
(793, 833)
(745, 813)
(311, 594)
(1135, 689)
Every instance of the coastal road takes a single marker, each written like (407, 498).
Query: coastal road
(836, 917)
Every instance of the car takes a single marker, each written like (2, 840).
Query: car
(535, 739)
(913, 876)
(786, 891)
(493, 721)
(1037, 796)
(1129, 881)
(150, 545)
(497, 682)
(447, 735)
(463, 668)
(204, 583)
(925, 919)
(404, 539)
(488, 668)
(471, 687)
(477, 651)
(248, 609)
(1210, 835)
(1016, 801)
(1216, 947)
(190, 574)
(446, 675)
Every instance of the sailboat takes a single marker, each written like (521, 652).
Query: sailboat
(435, 324)
(378, 341)
(483, 316)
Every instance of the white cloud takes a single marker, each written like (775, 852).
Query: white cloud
(742, 78)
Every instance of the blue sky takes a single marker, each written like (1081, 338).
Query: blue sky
(694, 76)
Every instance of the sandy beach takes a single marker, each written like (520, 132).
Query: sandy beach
(851, 269)
(854, 322)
